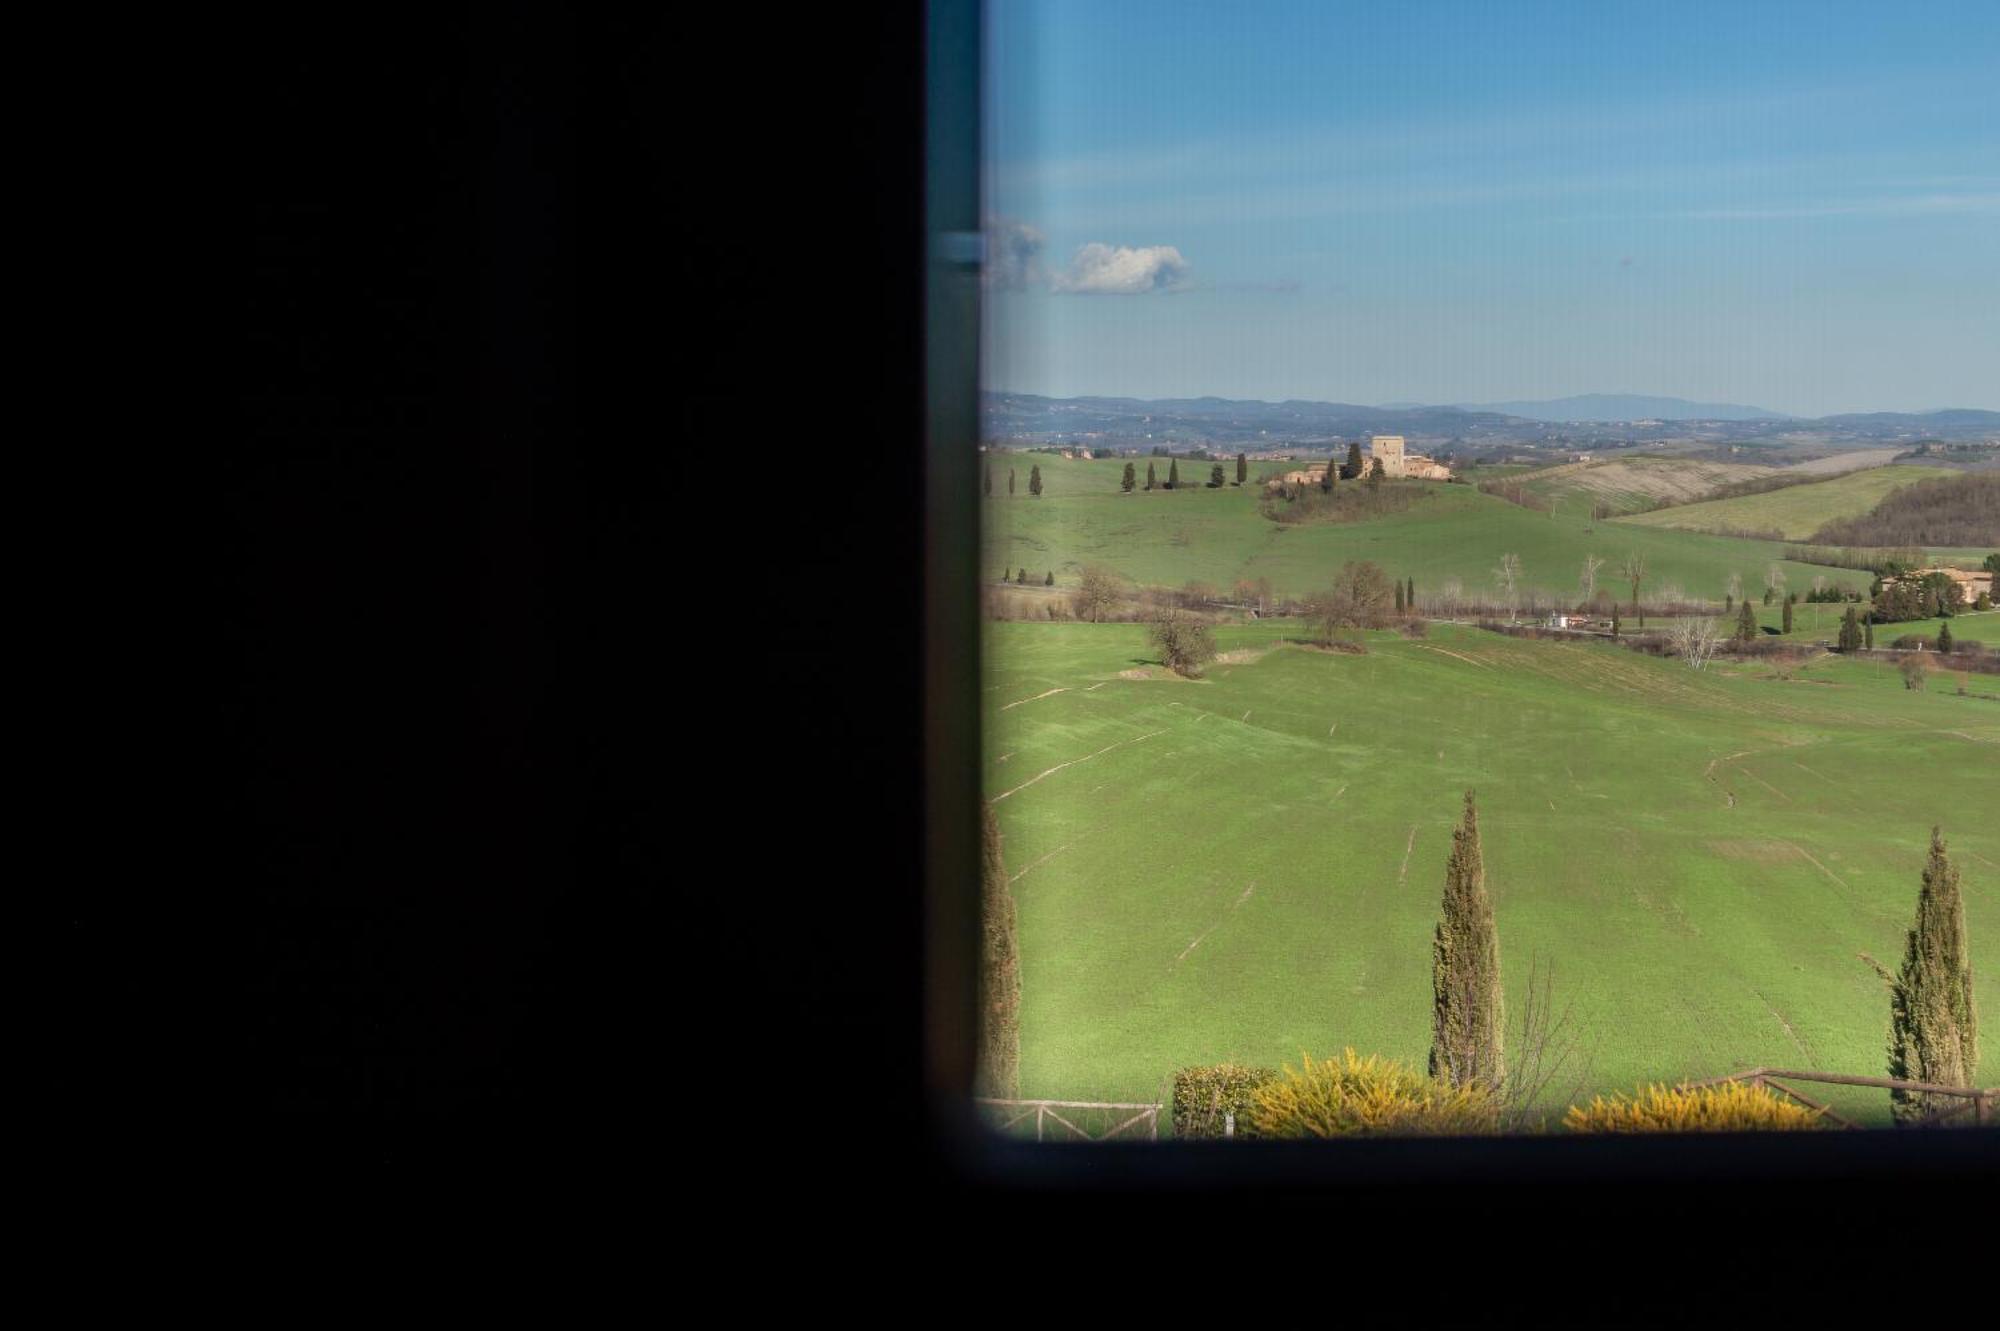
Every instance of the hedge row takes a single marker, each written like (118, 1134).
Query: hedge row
(1205, 1096)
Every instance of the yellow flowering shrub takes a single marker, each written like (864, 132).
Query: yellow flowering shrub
(1728, 1107)
(1373, 1096)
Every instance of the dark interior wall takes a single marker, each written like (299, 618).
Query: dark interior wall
(558, 736)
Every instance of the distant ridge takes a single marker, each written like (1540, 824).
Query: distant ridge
(1627, 407)
(1123, 422)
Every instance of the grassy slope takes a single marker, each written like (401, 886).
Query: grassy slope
(1798, 511)
(1167, 538)
(1630, 483)
(1231, 881)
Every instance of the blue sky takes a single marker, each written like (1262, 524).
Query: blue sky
(1792, 206)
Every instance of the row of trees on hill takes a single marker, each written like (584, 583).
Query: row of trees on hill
(1034, 480)
(1217, 477)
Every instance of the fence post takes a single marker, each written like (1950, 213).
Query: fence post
(1229, 1123)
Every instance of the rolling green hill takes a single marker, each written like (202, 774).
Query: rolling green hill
(1798, 511)
(1167, 538)
(1248, 867)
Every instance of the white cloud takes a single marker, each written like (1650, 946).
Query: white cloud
(1013, 254)
(1122, 270)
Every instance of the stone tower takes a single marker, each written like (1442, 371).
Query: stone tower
(1389, 448)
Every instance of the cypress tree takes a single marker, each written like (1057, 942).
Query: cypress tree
(1152, 479)
(1850, 630)
(1050, 581)
(1399, 598)
(1010, 480)
(1035, 481)
(1375, 474)
(1746, 624)
(1466, 1009)
(1614, 621)
(1788, 616)
(1129, 480)
(1242, 468)
(1728, 602)
(1332, 473)
(1933, 1027)
(1944, 638)
(1868, 630)
(999, 973)
(1173, 474)
(1410, 594)
(1216, 480)
(1353, 467)
(1022, 576)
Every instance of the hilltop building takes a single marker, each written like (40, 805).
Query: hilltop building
(1389, 449)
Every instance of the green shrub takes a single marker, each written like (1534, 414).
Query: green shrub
(1353, 1096)
(1204, 1096)
(1729, 1107)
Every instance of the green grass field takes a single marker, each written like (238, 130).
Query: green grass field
(1249, 867)
(1978, 626)
(1798, 511)
(1167, 538)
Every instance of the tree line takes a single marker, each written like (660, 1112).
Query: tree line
(1217, 477)
(1945, 510)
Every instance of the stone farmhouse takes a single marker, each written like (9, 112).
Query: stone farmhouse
(1396, 461)
(1389, 450)
(1973, 583)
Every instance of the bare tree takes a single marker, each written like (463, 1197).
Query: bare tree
(1695, 640)
(1098, 594)
(1734, 589)
(1453, 592)
(1547, 1048)
(1183, 641)
(1774, 581)
(1196, 593)
(1358, 599)
(1634, 571)
(1587, 583)
(1507, 575)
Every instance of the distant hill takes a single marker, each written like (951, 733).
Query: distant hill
(1592, 421)
(1961, 417)
(1627, 407)
(1129, 421)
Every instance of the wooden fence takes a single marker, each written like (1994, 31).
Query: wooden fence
(1047, 1111)
(1980, 1101)
(1056, 1119)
